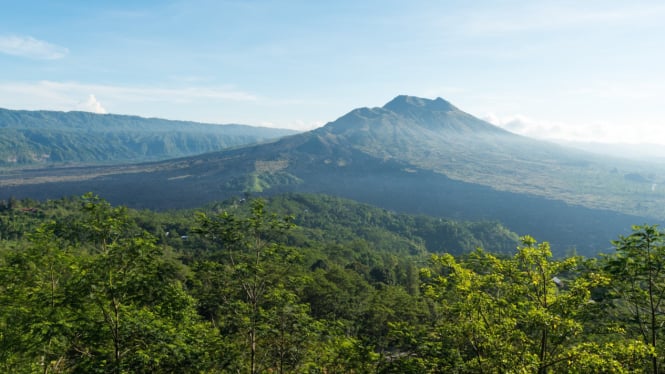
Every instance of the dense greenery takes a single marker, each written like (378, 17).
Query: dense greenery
(313, 284)
(56, 138)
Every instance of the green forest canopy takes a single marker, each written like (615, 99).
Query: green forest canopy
(286, 285)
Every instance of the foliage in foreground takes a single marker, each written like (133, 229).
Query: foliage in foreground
(95, 288)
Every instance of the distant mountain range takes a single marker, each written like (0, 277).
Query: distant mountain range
(33, 138)
(412, 155)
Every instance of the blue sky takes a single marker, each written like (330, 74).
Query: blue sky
(585, 70)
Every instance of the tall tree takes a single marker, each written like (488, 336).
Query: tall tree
(35, 311)
(638, 283)
(258, 267)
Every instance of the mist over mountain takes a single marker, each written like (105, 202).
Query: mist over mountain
(33, 138)
(412, 155)
(641, 152)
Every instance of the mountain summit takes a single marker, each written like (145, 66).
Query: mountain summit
(438, 116)
(404, 104)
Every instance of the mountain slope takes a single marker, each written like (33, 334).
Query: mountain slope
(434, 135)
(47, 137)
(414, 155)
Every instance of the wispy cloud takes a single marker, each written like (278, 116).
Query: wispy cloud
(29, 47)
(523, 125)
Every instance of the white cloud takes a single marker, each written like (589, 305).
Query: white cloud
(599, 132)
(27, 46)
(526, 126)
(92, 105)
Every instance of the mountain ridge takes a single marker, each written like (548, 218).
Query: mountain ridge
(32, 138)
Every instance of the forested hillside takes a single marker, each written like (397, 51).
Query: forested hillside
(33, 138)
(313, 284)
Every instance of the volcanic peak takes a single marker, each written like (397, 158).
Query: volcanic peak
(405, 104)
